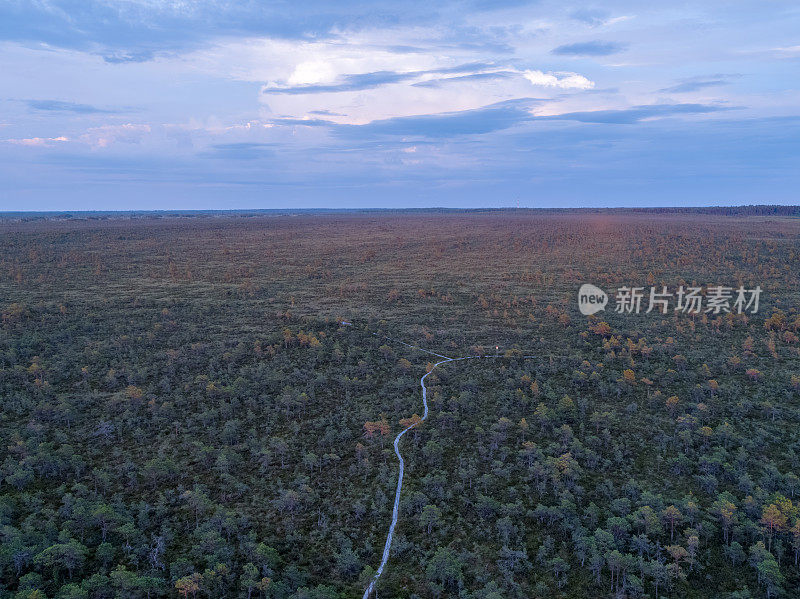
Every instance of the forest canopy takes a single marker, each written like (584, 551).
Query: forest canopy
(185, 415)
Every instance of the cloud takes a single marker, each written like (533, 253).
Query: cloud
(694, 84)
(402, 85)
(596, 17)
(96, 137)
(591, 48)
(561, 80)
(790, 51)
(627, 116)
(121, 56)
(487, 119)
(462, 78)
(140, 30)
(59, 106)
(308, 73)
(591, 16)
(301, 122)
(347, 83)
(37, 141)
(107, 135)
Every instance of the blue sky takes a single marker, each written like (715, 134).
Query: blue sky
(167, 104)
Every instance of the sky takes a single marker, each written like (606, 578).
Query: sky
(223, 104)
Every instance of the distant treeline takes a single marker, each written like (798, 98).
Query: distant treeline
(750, 210)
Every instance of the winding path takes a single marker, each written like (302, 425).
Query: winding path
(396, 509)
